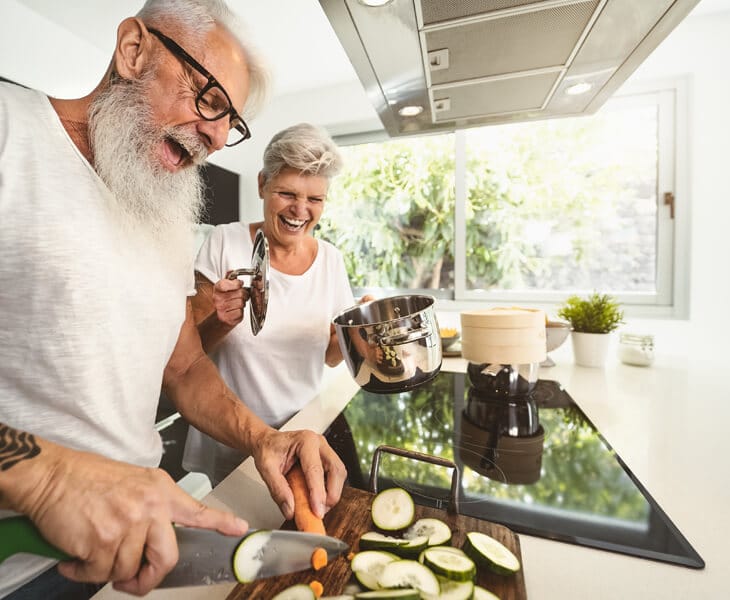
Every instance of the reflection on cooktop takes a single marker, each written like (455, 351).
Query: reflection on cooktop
(536, 464)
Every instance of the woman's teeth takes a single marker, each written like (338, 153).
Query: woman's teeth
(293, 223)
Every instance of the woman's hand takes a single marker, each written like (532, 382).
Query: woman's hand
(278, 451)
(229, 300)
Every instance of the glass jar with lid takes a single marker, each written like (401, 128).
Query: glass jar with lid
(636, 349)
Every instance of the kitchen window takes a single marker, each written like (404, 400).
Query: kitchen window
(525, 212)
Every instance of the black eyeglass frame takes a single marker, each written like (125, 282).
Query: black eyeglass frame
(212, 82)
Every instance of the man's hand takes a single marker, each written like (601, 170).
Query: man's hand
(325, 474)
(114, 517)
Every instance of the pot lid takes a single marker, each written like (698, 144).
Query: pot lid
(258, 290)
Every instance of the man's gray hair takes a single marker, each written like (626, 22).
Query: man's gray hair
(304, 147)
(196, 18)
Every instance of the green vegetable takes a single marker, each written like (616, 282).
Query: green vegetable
(487, 551)
(392, 509)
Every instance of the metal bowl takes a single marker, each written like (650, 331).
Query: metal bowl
(556, 333)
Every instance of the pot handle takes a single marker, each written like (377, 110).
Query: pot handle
(453, 507)
(404, 338)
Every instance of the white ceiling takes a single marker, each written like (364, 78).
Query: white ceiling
(294, 36)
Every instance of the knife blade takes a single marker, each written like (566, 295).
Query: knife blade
(206, 557)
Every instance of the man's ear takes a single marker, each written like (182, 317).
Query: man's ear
(262, 183)
(133, 50)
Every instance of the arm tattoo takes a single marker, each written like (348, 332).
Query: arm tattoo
(16, 446)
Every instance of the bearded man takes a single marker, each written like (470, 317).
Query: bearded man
(98, 196)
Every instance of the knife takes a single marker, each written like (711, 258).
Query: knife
(206, 557)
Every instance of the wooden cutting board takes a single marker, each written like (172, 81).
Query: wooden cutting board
(350, 518)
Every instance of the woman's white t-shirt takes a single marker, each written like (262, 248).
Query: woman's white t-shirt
(279, 370)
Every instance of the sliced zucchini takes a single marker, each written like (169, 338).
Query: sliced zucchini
(487, 551)
(448, 564)
(411, 548)
(368, 565)
(437, 531)
(372, 540)
(247, 559)
(403, 594)
(453, 590)
(392, 509)
(480, 593)
(409, 573)
(296, 592)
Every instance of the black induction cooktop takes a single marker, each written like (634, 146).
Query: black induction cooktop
(536, 465)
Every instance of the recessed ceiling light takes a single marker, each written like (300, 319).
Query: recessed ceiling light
(375, 2)
(578, 88)
(410, 111)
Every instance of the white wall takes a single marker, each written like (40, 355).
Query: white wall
(38, 53)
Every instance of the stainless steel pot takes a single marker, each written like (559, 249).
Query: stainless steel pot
(390, 345)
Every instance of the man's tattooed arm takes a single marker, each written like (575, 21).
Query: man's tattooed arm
(16, 446)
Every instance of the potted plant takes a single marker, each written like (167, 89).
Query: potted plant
(591, 320)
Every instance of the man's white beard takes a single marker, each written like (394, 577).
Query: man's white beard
(124, 142)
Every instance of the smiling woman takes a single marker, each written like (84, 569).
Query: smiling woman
(279, 369)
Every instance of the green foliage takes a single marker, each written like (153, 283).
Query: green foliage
(550, 205)
(599, 313)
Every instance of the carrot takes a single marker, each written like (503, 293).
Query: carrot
(317, 587)
(304, 518)
(319, 558)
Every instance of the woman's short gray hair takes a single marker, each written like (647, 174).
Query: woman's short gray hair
(307, 148)
(196, 18)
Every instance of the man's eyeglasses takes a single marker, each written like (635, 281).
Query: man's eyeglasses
(212, 101)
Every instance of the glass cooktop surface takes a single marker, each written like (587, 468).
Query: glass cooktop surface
(536, 465)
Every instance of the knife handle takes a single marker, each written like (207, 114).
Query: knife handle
(18, 534)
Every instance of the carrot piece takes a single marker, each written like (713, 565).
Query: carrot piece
(316, 586)
(319, 558)
(304, 518)
(350, 556)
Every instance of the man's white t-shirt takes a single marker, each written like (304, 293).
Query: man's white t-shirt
(89, 311)
(279, 370)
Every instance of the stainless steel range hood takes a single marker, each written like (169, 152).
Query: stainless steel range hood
(479, 62)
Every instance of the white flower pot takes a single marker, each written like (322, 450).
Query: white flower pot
(590, 349)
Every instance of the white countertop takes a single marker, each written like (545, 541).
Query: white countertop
(669, 423)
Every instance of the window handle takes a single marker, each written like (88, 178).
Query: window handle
(669, 200)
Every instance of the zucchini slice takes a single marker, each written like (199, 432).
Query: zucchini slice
(487, 551)
(409, 573)
(480, 593)
(438, 532)
(448, 564)
(392, 509)
(247, 559)
(368, 565)
(412, 548)
(296, 592)
(453, 590)
(372, 540)
(403, 594)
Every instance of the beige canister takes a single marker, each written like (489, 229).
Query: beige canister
(503, 335)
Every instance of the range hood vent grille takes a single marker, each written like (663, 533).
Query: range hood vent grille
(478, 62)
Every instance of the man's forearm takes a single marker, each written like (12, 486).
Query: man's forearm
(23, 466)
(206, 402)
(212, 331)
